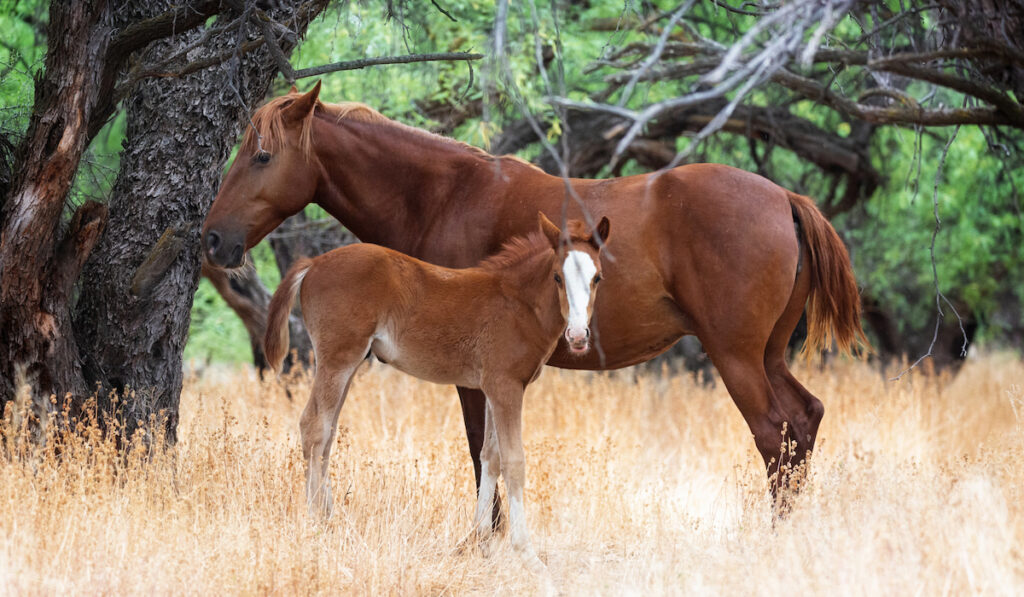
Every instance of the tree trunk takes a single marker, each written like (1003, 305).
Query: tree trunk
(39, 259)
(133, 316)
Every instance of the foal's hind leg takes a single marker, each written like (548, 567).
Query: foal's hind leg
(319, 424)
(490, 465)
(474, 406)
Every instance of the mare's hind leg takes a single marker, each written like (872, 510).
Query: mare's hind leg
(474, 406)
(745, 377)
(804, 411)
(490, 466)
(774, 427)
(319, 423)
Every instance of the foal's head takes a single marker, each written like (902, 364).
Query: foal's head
(273, 176)
(576, 272)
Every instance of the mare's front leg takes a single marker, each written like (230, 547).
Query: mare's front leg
(319, 423)
(474, 408)
(505, 400)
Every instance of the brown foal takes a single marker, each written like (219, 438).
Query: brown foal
(490, 327)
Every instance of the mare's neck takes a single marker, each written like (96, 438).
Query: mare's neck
(393, 186)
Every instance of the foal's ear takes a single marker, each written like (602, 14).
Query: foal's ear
(299, 109)
(600, 233)
(294, 89)
(553, 234)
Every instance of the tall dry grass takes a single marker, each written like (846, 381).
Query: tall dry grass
(637, 484)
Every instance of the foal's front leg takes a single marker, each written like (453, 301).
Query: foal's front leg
(505, 414)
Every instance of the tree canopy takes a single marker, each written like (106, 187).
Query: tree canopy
(902, 118)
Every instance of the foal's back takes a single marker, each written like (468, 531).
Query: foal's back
(439, 324)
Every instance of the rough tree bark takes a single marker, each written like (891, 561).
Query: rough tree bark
(39, 260)
(133, 315)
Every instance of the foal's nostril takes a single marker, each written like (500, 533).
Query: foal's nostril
(587, 335)
(212, 241)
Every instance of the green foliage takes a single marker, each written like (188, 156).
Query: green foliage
(979, 250)
(22, 51)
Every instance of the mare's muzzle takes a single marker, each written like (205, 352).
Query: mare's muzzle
(221, 250)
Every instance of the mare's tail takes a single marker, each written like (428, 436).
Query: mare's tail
(833, 308)
(275, 343)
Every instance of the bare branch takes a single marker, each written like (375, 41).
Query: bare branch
(173, 21)
(366, 62)
(265, 23)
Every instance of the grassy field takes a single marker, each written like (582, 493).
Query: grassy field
(637, 484)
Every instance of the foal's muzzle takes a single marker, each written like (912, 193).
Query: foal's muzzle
(579, 342)
(221, 252)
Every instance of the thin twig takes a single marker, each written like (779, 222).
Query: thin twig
(939, 296)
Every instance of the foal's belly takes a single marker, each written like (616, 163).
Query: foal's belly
(431, 365)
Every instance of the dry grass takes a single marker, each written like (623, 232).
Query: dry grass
(636, 486)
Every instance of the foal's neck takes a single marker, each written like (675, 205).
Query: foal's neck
(530, 283)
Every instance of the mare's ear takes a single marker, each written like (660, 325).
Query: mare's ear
(553, 234)
(600, 233)
(299, 109)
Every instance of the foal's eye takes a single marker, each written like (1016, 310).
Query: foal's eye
(262, 157)
(558, 279)
(597, 278)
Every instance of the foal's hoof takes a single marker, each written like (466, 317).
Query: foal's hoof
(535, 566)
(487, 547)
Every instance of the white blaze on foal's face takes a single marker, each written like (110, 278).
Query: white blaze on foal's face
(579, 270)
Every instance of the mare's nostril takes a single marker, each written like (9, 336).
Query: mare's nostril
(236, 254)
(212, 241)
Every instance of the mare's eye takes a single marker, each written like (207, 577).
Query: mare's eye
(262, 157)
(597, 278)
(558, 279)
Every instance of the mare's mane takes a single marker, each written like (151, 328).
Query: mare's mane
(517, 251)
(267, 131)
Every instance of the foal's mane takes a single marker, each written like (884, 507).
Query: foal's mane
(268, 128)
(517, 251)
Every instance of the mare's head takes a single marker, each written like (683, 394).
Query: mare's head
(273, 176)
(576, 272)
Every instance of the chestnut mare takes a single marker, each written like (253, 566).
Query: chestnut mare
(701, 249)
(490, 327)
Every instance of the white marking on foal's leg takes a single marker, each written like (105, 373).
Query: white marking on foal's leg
(490, 467)
(579, 270)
